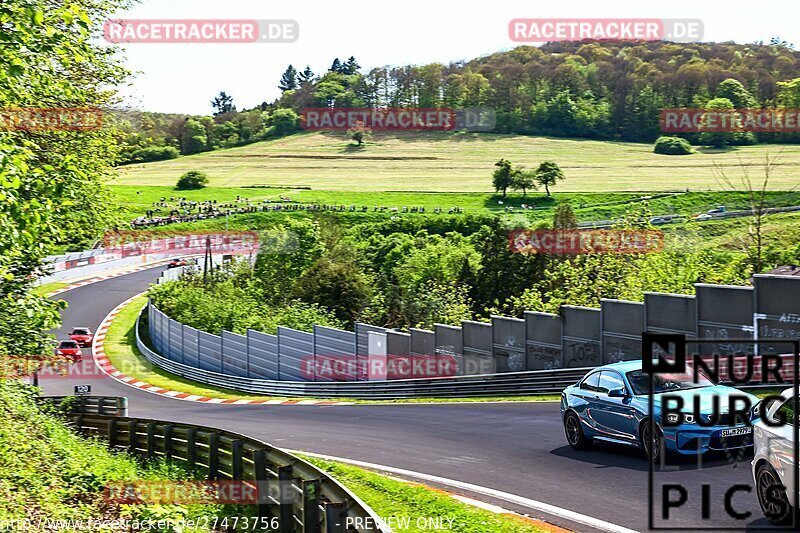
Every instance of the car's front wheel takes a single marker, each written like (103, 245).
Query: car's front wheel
(652, 445)
(575, 436)
(772, 496)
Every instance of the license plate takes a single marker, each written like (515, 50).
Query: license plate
(735, 432)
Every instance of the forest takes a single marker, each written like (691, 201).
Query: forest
(600, 90)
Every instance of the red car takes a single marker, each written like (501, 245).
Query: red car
(70, 349)
(177, 262)
(83, 336)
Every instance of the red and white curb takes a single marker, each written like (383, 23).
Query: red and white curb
(104, 277)
(102, 362)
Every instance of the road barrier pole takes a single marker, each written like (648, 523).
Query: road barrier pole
(260, 465)
(286, 496)
(311, 506)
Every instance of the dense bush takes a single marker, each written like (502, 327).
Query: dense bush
(673, 146)
(412, 273)
(192, 180)
(285, 122)
(232, 302)
(152, 153)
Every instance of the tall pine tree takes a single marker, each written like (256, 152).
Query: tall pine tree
(307, 76)
(351, 67)
(223, 103)
(288, 80)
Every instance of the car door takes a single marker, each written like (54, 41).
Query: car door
(614, 416)
(781, 443)
(584, 401)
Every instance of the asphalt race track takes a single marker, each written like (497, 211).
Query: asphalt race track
(518, 448)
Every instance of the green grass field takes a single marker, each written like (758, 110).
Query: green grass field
(442, 162)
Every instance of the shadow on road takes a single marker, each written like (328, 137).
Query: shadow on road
(609, 455)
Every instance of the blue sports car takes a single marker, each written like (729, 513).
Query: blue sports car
(610, 404)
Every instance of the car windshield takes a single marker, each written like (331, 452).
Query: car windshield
(79, 331)
(663, 382)
(68, 344)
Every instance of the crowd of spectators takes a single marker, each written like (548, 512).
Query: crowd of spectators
(174, 210)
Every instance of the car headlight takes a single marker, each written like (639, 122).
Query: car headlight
(755, 411)
(673, 418)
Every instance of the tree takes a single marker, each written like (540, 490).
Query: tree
(351, 67)
(358, 132)
(752, 244)
(563, 115)
(781, 43)
(330, 89)
(285, 121)
(789, 93)
(192, 180)
(288, 79)
(194, 138)
(564, 217)
(51, 182)
(307, 76)
(336, 66)
(503, 177)
(548, 174)
(337, 284)
(286, 251)
(523, 180)
(223, 103)
(734, 91)
(717, 139)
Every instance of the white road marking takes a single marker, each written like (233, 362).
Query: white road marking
(547, 508)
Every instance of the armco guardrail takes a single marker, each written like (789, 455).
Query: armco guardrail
(537, 354)
(307, 499)
(102, 405)
(510, 384)
(576, 337)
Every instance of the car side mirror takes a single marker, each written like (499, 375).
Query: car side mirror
(618, 393)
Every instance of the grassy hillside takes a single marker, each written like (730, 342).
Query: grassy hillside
(416, 162)
(50, 473)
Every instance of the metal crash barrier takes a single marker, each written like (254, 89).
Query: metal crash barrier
(307, 499)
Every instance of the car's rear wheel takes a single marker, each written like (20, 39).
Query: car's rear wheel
(772, 496)
(652, 445)
(575, 436)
